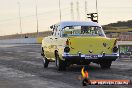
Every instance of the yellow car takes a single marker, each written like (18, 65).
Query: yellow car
(80, 43)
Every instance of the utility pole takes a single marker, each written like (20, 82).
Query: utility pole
(72, 11)
(78, 13)
(86, 10)
(60, 9)
(36, 8)
(97, 10)
(20, 21)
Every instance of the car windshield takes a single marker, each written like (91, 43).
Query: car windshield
(83, 31)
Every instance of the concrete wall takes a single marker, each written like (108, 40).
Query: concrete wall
(26, 35)
(21, 41)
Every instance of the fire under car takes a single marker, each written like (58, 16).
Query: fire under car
(80, 43)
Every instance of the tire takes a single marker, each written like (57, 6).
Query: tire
(60, 64)
(105, 64)
(45, 62)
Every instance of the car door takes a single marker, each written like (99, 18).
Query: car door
(53, 43)
(47, 46)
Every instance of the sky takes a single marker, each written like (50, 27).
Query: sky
(48, 13)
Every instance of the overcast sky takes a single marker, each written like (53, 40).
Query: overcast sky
(48, 13)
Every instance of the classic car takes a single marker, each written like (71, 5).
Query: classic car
(80, 43)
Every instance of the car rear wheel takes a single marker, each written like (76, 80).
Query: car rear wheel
(105, 64)
(60, 64)
(45, 62)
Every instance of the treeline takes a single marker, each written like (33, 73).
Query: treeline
(121, 24)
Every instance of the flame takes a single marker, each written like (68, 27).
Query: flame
(84, 73)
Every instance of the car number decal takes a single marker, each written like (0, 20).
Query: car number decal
(91, 57)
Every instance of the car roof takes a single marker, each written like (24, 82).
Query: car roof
(77, 23)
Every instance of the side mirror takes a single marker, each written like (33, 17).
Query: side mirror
(51, 27)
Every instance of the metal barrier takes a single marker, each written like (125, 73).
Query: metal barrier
(125, 49)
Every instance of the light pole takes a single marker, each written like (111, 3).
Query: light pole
(86, 10)
(60, 9)
(72, 11)
(36, 8)
(20, 21)
(97, 9)
(78, 12)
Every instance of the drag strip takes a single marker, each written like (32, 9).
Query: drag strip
(22, 66)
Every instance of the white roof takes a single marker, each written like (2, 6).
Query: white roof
(77, 23)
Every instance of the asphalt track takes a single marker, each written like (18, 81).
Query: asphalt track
(21, 67)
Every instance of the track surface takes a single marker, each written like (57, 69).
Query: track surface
(21, 67)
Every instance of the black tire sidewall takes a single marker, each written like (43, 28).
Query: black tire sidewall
(45, 61)
(60, 64)
(105, 64)
(57, 61)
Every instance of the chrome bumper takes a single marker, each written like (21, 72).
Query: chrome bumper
(90, 56)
